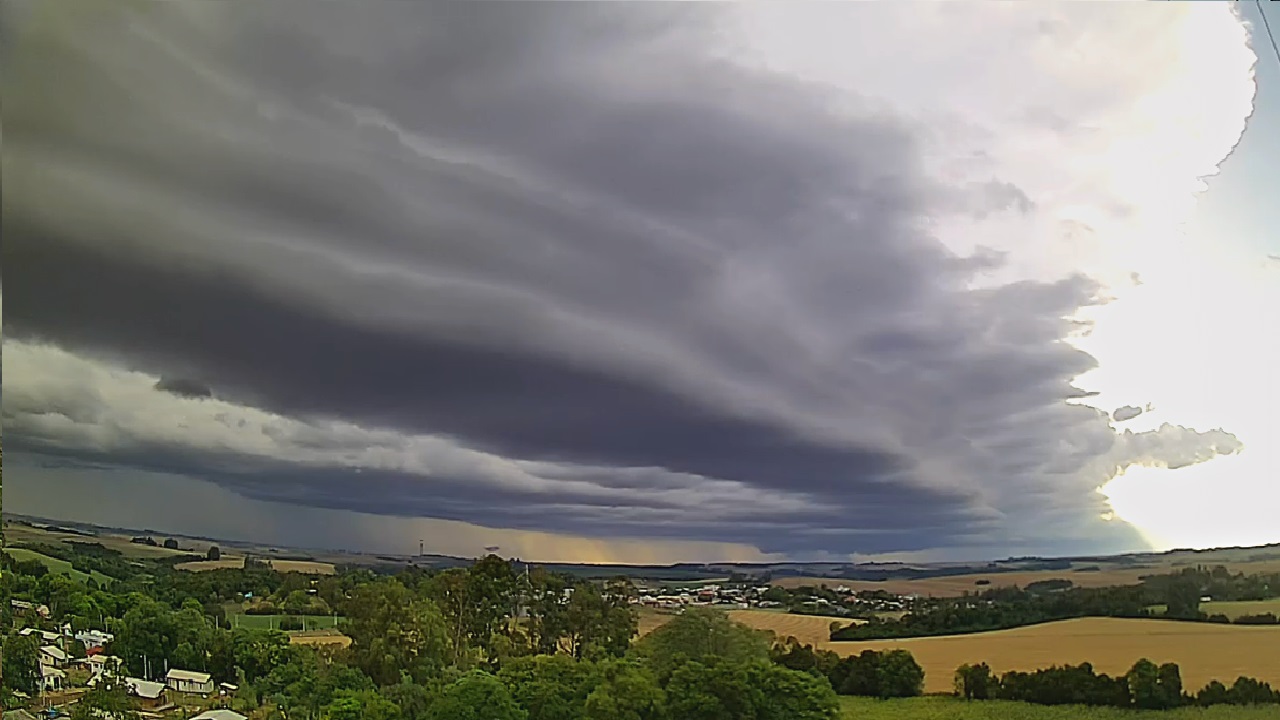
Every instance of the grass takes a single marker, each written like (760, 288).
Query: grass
(58, 567)
(944, 708)
(268, 622)
(1234, 610)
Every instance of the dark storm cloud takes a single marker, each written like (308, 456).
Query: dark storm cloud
(558, 234)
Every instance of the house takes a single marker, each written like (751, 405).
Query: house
(94, 638)
(101, 664)
(219, 715)
(52, 679)
(53, 656)
(150, 695)
(45, 635)
(23, 607)
(187, 681)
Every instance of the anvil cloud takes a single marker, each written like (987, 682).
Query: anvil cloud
(609, 270)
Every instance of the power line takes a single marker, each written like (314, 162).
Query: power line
(1267, 25)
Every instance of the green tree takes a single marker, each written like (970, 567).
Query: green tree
(754, 690)
(974, 682)
(394, 631)
(213, 554)
(20, 662)
(476, 696)
(627, 692)
(106, 699)
(700, 634)
(550, 687)
(361, 705)
(899, 675)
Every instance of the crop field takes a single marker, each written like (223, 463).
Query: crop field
(941, 708)
(284, 566)
(16, 533)
(810, 629)
(56, 566)
(1203, 651)
(1234, 610)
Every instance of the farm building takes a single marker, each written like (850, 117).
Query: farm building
(187, 681)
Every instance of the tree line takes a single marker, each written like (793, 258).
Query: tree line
(1146, 686)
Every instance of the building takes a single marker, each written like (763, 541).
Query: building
(94, 638)
(23, 607)
(187, 681)
(150, 695)
(53, 656)
(52, 679)
(100, 664)
(18, 715)
(45, 635)
(219, 715)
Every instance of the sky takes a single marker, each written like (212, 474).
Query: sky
(645, 282)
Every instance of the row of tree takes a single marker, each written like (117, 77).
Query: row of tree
(1146, 686)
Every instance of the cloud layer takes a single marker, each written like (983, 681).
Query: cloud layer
(608, 270)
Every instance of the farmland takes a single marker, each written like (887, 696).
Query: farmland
(56, 566)
(942, 708)
(284, 566)
(809, 629)
(1204, 651)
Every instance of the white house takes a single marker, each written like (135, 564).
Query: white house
(101, 664)
(51, 679)
(94, 638)
(219, 715)
(53, 656)
(187, 681)
(45, 635)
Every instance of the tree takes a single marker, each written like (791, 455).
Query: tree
(700, 634)
(171, 544)
(476, 696)
(361, 705)
(899, 675)
(1152, 687)
(628, 692)
(20, 660)
(394, 631)
(106, 699)
(756, 689)
(213, 554)
(550, 687)
(974, 682)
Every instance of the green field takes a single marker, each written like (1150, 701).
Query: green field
(271, 622)
(944, 708)
(56, 566)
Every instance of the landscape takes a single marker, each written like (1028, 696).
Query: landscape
(538, 360)
(260, 610)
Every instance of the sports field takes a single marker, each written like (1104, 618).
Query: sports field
(940, 708)
(272, 622)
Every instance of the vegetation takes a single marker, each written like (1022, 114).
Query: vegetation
(944, 708)
(487, 641)
(1172, 596)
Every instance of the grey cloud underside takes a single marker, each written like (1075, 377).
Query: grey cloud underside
(551, 232)
(1127, 412)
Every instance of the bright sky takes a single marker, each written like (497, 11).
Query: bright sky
(1209, 345)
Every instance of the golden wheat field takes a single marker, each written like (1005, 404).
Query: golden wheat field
(306, 567)
(1204, 651)
(810, 629)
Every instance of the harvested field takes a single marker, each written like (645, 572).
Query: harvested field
(305, 567)
(1204, 651)
(810, 629)
(284, 566)
(319, 637)
(202, 565)
(1107, 576)
(939, 708)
